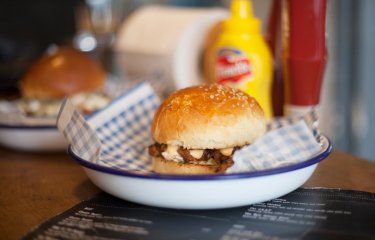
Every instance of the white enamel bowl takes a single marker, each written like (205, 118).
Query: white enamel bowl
(202, 191)
(32, 138)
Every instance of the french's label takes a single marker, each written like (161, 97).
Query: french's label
(232, 67)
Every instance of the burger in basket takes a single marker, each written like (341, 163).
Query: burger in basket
(64, 72)
(197, 129)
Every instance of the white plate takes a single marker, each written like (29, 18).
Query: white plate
(202, 191)
(32, 138)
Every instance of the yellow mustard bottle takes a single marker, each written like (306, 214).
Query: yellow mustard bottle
(240, 57)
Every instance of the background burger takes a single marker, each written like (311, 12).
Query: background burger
(196, 130)
(64, 72)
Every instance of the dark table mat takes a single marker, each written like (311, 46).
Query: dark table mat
(307, 213)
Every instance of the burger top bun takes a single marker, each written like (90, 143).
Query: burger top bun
(208, 117)
(64, 72)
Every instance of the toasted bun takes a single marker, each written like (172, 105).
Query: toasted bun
(62, 73)
(208, 117)
(161, 165)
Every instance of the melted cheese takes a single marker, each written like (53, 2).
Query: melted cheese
(171, 154)
(226, 151)
(196, 153)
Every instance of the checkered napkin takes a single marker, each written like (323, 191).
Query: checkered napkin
(118, 136)
(287, 142)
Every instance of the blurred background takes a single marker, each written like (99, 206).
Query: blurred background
(28, 28)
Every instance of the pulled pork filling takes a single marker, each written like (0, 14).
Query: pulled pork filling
(194, 156)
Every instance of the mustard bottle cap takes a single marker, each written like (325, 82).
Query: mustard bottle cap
(242, 19)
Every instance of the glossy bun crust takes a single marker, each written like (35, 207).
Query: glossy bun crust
(208, 117)
(64, 72)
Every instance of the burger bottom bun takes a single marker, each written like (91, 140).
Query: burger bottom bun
(161, 165)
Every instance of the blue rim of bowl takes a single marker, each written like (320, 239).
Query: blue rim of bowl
(28, 127)
(314, 160)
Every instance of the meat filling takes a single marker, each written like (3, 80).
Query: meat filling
(209, 156)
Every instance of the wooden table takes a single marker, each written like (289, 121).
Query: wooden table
(35, 187)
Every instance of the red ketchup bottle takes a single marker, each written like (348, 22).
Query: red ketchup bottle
(273, 38)
(304, 54)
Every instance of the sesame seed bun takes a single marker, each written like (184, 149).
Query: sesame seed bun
(208, 117)
(64, 72)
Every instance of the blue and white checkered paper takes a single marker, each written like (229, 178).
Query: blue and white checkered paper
(119, 135)
(283, 146)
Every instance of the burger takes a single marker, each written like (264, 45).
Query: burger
(63, 72)
(197, 129)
